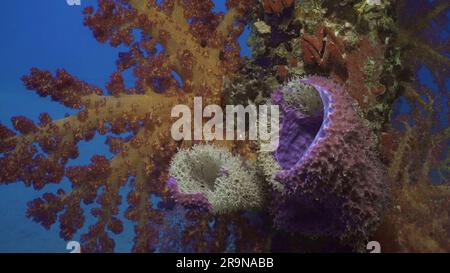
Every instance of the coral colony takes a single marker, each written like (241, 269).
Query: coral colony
(343, 170)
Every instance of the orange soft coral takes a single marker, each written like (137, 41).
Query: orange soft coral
(201, 52)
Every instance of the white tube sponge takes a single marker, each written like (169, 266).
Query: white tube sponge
(228, 183)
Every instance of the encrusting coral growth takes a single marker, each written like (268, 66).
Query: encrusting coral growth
(302, 97)
(276, 6)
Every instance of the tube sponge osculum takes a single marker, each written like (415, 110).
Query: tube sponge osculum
(331, 181)
(208, 178)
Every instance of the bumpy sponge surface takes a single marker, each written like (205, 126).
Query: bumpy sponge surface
(332, 182)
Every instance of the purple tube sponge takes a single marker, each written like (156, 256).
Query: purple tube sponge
(331, 181)
(192, 201)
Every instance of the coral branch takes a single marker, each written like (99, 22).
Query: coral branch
(198, 44)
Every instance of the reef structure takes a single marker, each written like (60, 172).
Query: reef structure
(326, 176)
(331, 181)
